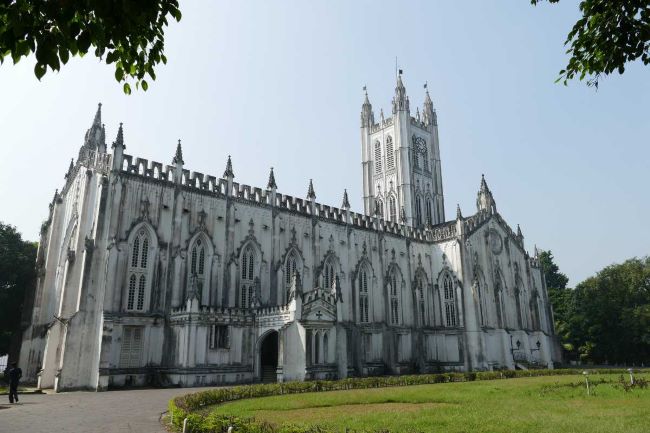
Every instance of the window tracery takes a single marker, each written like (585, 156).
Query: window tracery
(449, 301)
(247, 277)
(137, 287)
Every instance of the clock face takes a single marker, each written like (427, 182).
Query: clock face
(496, 243)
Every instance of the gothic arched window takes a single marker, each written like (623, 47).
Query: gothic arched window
(247, 276)
(450, 301)
(328, 275)
(363, 296)
(377, 157)
(197, 265)
(135, 300)
(481, 307)
(418, 210)
(289, 272)
(429, 211)
(393, 291)
(420, 284)
(390, 155)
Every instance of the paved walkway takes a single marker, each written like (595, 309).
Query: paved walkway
(89, 412)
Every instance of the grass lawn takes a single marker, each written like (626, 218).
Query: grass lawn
(552, 404)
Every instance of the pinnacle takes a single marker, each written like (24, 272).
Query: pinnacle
(228, 172)
(271, 184)
(346, 202)
(178, 157)
(119, 140)
(484, 186)
(311, 194)
(459, 214)
(519, 234)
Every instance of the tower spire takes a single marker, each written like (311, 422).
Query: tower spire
(428, 112)
(459, 215)
(178, 157)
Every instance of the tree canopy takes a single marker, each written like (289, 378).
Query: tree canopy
(610, 34)
(17, 275)
(606, 318)
(127, 33)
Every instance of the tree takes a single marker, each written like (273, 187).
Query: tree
(128, 33)
(561, 299)
(612, 314)
(17, 276)
(610, 34)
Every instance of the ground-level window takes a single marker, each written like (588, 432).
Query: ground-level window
(131, 351)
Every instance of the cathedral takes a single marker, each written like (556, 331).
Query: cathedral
(152, 274)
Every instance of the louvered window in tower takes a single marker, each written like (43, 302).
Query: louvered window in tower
(429, 212)
(418, 211)
(377, 157)
(390, 154)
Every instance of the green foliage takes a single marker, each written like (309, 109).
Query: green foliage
(609, 34)
(203, 416)
(127, 33)
(611, 314)
(17, 275)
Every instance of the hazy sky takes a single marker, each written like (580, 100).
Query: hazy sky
(279, 83)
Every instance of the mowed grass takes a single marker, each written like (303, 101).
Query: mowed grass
(540, 404)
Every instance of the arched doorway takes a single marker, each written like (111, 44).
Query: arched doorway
(269, 358)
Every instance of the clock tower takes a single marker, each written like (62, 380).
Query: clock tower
(402, 178)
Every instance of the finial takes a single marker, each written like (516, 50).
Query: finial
(119, 140)
(178, 157)
(271, 184)
(98, 116)
(459, 215)
(346, 202)
(519, 234)
(536, 251)
(310, 192)
(228, 172)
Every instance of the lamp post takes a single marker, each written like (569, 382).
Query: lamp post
(586, 374)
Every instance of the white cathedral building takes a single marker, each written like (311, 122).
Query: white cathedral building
(150, 274)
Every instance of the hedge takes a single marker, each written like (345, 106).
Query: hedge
(192, 406)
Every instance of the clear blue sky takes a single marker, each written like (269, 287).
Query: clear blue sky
(279, 84)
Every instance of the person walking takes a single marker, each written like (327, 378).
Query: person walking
(15, 374)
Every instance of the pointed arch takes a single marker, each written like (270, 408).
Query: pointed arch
(418, 210)
(390, 155)
(248, 267)
(420, 285)
(200, 252)
(329, 270)
(394, 282)
(363, 283)
(142, 245)
(429, 210)
(482, 297)
(499, 288)
(449, 300)
(377, 157)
